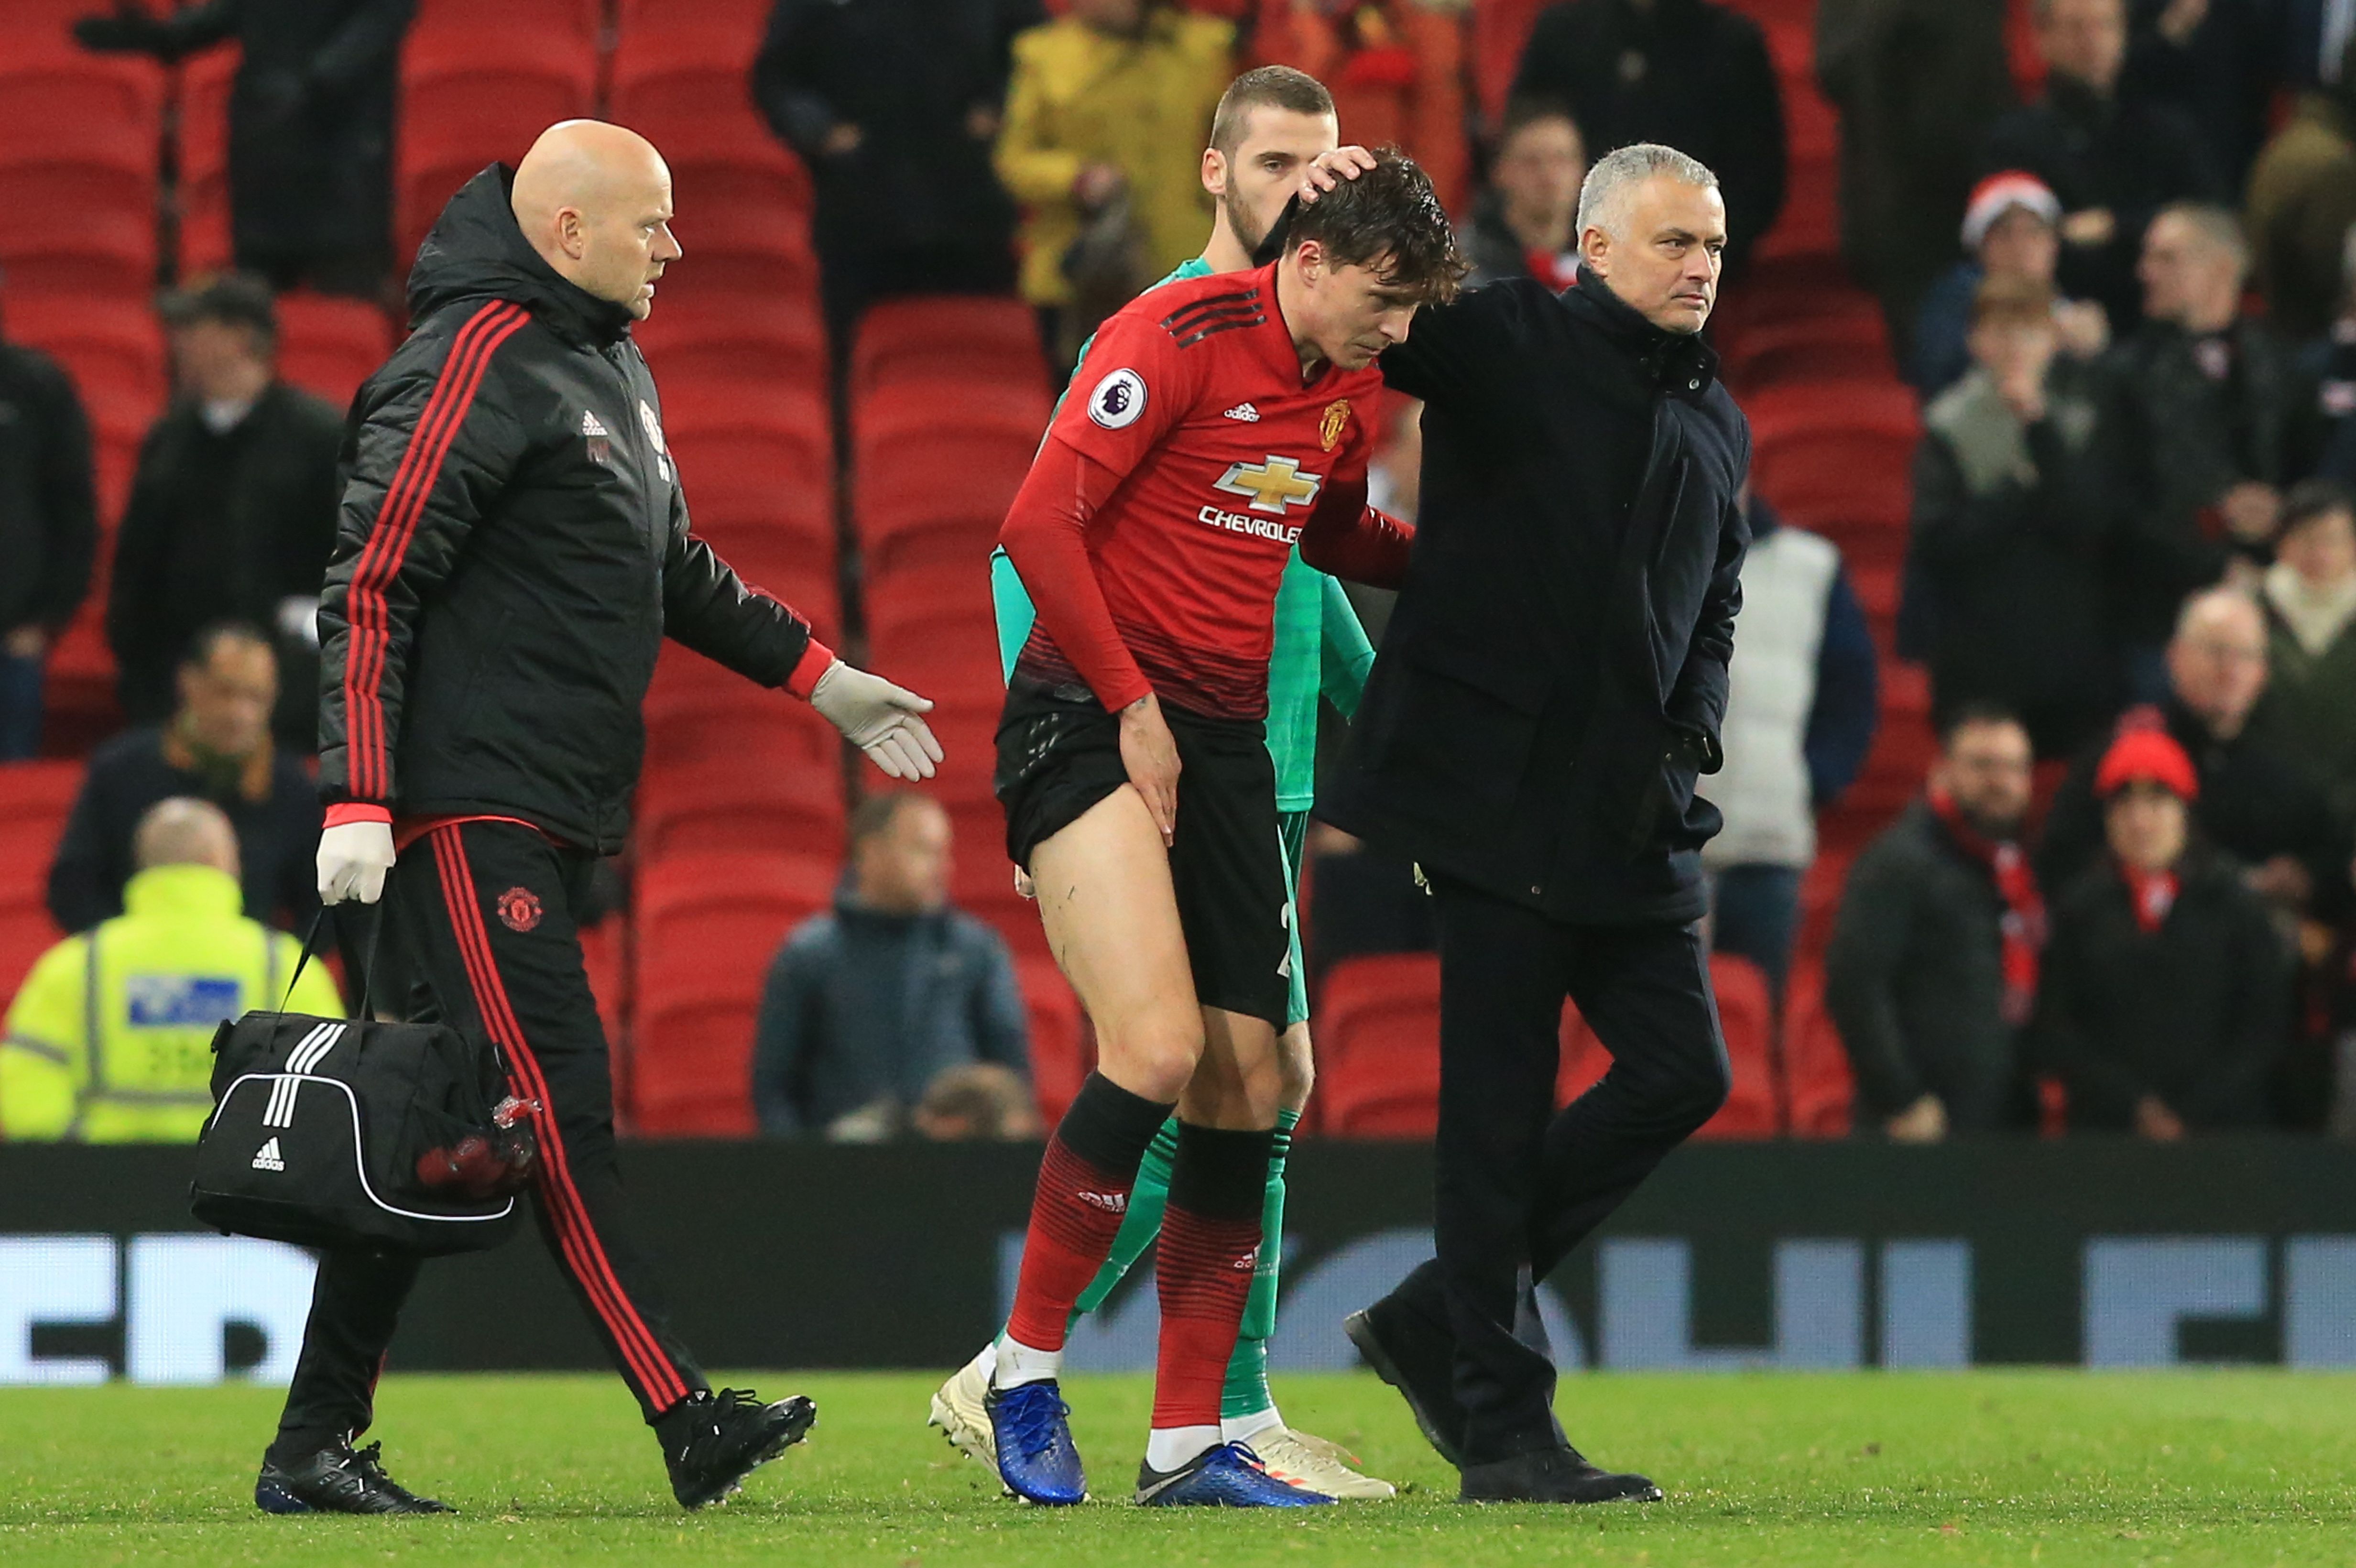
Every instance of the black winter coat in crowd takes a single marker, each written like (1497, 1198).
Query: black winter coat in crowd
(220, 525)
(917, 202)
(2125, 155)
(274, 810)
(2253, 806)
(1914, 978)
(2193, 418)
(2010, 530)
(1554, 677)
(1918, 84)
(1692, 74)
(310, 127)
(48, 518)
(2195, 1013)
(513, 549)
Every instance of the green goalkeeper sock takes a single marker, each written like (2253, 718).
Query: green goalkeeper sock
(1247, 1394)
(1147, 1197)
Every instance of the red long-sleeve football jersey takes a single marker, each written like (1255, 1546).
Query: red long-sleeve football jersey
(1187, 462)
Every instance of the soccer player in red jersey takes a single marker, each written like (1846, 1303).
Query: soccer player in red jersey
(1220, 421)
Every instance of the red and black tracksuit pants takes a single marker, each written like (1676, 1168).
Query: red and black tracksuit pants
(479, 931)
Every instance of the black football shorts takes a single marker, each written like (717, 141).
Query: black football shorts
(1058, 757)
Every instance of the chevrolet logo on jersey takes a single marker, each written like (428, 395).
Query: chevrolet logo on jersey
(1273, 486)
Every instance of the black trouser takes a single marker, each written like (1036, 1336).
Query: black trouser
(1519, 1185)
(479, 931)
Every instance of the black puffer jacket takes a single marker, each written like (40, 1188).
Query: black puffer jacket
(513, 549)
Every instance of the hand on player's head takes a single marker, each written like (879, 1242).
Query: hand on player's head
(1330, 169)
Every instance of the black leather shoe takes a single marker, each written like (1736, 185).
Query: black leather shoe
(1419, 1361)
(1407, 1340)
(710, 1441)
(1552, 1475)
(338, 1480)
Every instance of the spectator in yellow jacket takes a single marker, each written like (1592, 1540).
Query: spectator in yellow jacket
(1107, 115)
(110, 1038)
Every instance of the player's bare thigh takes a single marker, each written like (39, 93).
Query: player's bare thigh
(1296, 1067)
(1111, 915)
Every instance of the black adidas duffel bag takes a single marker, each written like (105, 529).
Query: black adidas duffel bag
(343, 1133)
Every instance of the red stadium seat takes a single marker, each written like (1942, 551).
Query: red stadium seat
(975, 340)
(1747, 1016)
(1842, 348)
(1823, 1088)
(686, 85)
(113, 348)
(1809, 225)
(727, 719)
(769, 342)
(202, 143)
(706, 928)
(80, 140)
(34, 800)
(768, 439)
(746, 17)
(725, 808)
(579, 18)
(1841, 450)
(785, 566)
(329, 347)
(929, 591)
(1583, 1061)
(1378, 1047)
(1060, 1053)
(475, 91)
(934, 482)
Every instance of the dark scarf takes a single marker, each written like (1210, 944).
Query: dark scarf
(2023, 926)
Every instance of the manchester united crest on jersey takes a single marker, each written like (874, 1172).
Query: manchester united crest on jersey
(1332, 421)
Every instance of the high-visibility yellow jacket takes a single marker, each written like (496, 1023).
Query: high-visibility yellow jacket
(109, 1040)
(1142, 105)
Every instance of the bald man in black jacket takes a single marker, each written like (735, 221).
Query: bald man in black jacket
(1550, 689)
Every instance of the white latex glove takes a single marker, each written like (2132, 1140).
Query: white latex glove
(353, 858)
(878, 718)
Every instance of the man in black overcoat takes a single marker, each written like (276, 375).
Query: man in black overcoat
(1550, 685)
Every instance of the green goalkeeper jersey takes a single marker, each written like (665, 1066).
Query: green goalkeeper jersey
(1320, 649)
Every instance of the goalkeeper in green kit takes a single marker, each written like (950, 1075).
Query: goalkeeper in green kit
(1272, 125)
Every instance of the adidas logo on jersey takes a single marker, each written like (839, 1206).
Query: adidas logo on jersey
(267, 1158)
(1245, 412)
(1110, 1202)
(590, 425)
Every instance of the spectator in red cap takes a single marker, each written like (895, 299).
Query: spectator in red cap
(2011, 229)
(2166, 993)
(2254, 805)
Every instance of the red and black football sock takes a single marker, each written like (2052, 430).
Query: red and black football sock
(1209, 1250)
(1083, 1194)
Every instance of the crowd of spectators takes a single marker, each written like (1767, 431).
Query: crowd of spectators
(2114, 246)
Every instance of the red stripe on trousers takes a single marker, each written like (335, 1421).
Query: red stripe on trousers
(575, 1234)
(368, 769)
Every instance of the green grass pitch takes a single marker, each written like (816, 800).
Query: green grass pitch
(2225, 1468)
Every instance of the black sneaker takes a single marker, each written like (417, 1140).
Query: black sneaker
(712, 1441)
(338, 1480)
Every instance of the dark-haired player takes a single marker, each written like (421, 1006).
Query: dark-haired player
(1274, 127)
(1218, 423)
